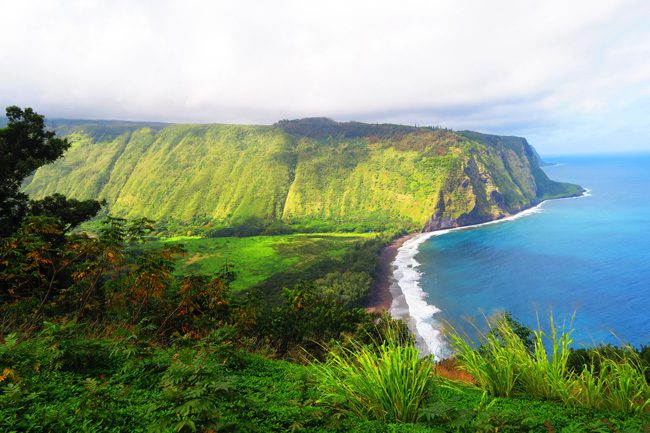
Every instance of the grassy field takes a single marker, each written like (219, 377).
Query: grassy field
(273, 260)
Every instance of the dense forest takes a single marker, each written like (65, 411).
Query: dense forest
(106, 325)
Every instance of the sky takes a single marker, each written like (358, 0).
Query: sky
(571, 76)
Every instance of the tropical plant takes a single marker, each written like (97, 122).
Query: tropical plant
(503, 366)
(493, 364)
(387, 382)
(619, 383)
(191, 389)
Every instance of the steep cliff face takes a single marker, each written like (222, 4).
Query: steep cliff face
(498, 176)
(302, 172)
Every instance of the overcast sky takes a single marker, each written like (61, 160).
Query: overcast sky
(571, 76)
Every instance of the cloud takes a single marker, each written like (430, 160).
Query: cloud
(510, 66)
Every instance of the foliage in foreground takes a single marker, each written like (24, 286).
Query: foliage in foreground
(504, 366)
(63, 379)
(388, 381)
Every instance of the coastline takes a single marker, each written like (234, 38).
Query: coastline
(396, 288)
(381, 297)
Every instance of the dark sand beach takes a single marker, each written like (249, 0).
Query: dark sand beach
(380, 295)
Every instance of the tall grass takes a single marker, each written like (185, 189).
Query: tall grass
(503, 365)
(386, 382)
(543, 374)
(619, 383)
(493, 365)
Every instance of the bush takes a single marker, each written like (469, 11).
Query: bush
(57, 347)
(388, 382)
(349, 289)
(610, 379)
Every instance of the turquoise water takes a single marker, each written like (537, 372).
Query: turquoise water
(590, 255)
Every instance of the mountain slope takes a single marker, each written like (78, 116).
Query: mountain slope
(309, 172)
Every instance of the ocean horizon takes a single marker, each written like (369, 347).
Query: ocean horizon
(584, 260)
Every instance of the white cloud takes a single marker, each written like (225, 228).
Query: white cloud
(511, 66)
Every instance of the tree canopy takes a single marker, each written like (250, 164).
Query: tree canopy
(25, 145)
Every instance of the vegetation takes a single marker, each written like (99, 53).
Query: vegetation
(114, 332)
(310, 175)
(388, 382)
(281, 260)
(25, 145)
(504, 365)
(65, 379)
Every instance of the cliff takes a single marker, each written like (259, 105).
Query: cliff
(305, 173)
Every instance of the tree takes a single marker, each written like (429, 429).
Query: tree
(69, 211)
(349, 289)
(26, 145)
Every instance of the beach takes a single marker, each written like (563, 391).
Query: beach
(381, 297)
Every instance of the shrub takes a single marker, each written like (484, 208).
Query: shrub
(610, 379)
(388, 382)
(493, 365)
(349, 289)
(619, 383)
(57, 347)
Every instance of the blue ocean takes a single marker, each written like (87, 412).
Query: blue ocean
(589, 255)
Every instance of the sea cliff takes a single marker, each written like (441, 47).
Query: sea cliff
(306, 174)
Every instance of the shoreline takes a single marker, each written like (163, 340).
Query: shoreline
(386, 288)
(381, 297)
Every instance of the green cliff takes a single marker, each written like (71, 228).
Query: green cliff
(305, 173)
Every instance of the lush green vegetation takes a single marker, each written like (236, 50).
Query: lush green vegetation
(540, 366)
(262, 261)
(114, 331)
(65, 379)
(308, 175)
(116, 341)
(388, 381)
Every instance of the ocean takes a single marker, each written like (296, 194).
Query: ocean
(589, 256)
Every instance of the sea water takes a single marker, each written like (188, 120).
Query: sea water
(589, 256)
